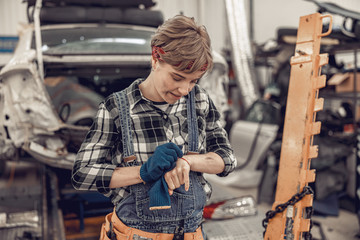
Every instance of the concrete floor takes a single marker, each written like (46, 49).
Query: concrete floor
(345, 226)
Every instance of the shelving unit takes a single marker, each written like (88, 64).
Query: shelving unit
(354, 98)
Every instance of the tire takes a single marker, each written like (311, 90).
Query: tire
(76, 14)
(143, 17)
(102, 3)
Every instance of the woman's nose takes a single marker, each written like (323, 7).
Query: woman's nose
(184, 88)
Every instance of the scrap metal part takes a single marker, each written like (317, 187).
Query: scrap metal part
(28, 119)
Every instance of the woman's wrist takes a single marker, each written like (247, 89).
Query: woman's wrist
(187, 161)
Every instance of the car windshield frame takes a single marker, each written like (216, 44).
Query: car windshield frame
(96, 40)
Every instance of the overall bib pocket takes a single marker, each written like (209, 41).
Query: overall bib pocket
(183, 203)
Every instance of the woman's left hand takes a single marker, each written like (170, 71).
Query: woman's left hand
(178, 175)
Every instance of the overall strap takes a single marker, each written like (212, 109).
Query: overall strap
(125, 124)
(192, 123)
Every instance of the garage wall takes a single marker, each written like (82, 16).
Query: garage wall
(210, 13)
(11, 13)
(268, 15)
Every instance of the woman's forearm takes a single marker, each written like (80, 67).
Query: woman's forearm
(125, 176)
(206, 163)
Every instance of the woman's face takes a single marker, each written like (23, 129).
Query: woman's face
(170, 85)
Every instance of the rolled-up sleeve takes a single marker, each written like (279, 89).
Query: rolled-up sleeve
(92, 168)
(217, 139)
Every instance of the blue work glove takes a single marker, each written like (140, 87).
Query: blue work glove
(163, 159)
(159, 195)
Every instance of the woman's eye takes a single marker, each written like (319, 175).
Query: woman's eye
(176, 79)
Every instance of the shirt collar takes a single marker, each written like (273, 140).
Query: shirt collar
(134, 93)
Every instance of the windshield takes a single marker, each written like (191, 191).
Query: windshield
(96, 40)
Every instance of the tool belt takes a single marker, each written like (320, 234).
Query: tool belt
(114, 229)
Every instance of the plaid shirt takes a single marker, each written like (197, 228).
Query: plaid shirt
(152, 125)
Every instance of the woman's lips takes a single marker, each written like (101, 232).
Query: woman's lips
(176, 96)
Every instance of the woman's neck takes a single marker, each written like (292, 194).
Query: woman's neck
(148, 90)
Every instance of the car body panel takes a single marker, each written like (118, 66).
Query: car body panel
(30, 120)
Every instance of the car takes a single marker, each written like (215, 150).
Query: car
(69, 57)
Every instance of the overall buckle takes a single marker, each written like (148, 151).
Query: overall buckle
(179, 231)
(110, 234)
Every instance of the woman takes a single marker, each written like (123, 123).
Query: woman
(151, 143)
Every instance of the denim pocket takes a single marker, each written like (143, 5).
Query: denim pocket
(182, 204)
(200, 193)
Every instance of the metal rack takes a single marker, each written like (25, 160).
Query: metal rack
(354, 97)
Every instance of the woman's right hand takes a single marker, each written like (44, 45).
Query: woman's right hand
(178, 175)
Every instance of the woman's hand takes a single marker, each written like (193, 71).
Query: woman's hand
(162, 160)
(178, 175)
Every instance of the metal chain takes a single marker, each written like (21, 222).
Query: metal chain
(281, 207)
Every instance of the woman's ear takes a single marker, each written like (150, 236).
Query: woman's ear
(154, 63)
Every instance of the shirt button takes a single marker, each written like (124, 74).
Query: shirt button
(165, 117)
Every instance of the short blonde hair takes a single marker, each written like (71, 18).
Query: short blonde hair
(184, 44)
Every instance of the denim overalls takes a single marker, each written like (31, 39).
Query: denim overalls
(186, 206)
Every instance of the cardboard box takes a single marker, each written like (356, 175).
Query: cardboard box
(344, 82)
